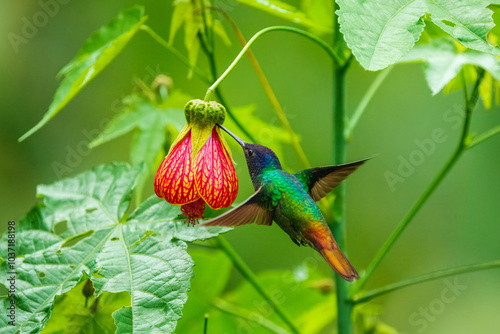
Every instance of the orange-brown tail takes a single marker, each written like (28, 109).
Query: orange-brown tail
(338, 261)
(320, 237)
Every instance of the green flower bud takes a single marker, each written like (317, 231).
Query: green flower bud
(204, 113)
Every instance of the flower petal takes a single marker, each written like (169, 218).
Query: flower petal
(215, 176)
(174, 179)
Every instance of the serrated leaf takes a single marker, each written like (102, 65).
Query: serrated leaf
(286, 11)
(380, 33)
(96, 53)
(143, 254)
(444, 61)
(468, 21)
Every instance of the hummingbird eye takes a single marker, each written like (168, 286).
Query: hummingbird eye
(250, 152)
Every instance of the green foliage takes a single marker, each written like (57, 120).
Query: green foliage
(81, 229)
(188, 13)
(96, 53)
(444, 59)
(379, 34)
(288, 12)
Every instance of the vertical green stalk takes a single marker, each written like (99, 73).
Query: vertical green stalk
(344, 305)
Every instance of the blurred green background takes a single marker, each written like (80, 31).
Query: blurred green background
(459, 225)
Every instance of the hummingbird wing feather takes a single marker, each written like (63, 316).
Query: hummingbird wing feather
(320, 181)
(252, 210)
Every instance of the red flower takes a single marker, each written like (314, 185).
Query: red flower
(198, 169)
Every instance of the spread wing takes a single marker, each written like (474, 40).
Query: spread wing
(254, 209)
(320, 181)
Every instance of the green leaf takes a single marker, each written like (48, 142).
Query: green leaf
(143, 254)
(70, 315)
(467, 21)
(150, 120)
(287, 12)
(443, 61)
(379, 33)
(96, 53)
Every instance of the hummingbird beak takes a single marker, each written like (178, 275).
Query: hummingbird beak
(241, 142)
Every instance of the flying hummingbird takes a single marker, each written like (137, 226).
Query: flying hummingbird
(290, 201)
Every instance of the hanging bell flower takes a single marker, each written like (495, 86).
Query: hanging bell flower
(198, 169)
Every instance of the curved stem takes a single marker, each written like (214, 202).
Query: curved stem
(246, 272)
(209, 52)
(470, 103)
(202, 75)
(364, 101)
(364, 297)
(312, 37)
(269, 91)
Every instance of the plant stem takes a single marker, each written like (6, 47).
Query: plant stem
(482, 137)
(246, 315)
(470, 103)
(202, 75)
(312, 37)
(344, 305)
(364, 101)
(247, 273)
(205, 324)
(364, 297)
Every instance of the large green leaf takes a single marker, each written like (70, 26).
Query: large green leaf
(468, 21)
(379, 33)
(443, 61)
(142, 253)
(96, 53)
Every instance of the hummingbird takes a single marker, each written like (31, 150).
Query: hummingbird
(290, 201)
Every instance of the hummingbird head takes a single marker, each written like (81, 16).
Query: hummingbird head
(258, 157)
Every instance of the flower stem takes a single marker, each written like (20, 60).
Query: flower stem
(312, 37)
(366, 296)
(470, 103)
(247, 273)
